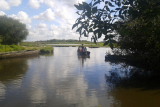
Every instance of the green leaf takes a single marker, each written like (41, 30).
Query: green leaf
(117, 8)
(85, 34)
(76, 24)
(106, 43)
(112, 11)
(111, 45)
(106, 37)
(94, 10)
(78, 29)
(110, 4)
(95, 40)
(111, 36)
(96, 3)
(78, 12)
(90, 30)
(88, 14)
(99, 34)
(79, 7)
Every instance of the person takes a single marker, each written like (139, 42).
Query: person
(82, 48)
(85, 49)
(79, 49)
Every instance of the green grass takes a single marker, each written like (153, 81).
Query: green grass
(9, 48)
(47, 50)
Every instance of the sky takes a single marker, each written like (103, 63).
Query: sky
(45, 19)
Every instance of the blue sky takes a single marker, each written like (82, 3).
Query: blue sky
(45, 19)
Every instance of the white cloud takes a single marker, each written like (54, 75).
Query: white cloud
(61, 11)
(34, 3)
(41, 25)
(2, 13)
(22, 17)
(4, 5)
(48, 15)
(49, 3)
(14, 2)
(43, 32)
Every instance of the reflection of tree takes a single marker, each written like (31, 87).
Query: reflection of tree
(47, 54)
(82, 59)
(130, 75)
(131, 86)
(12, 68)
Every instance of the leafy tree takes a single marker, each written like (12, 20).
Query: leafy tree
(134, 22)
(98, 21)
(12, 31)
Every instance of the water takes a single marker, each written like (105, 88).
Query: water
(63, 79)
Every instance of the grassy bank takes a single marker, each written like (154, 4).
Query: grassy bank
(10, 48)
(60, 44)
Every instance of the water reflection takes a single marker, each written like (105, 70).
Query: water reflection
(82, 59)
(59, 80)
(131, 86)
(12, 69)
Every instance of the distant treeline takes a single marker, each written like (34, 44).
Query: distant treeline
(59, 41)
(63, 40)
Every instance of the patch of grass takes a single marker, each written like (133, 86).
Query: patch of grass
(33, 48)
(47, 50)
(9, 48)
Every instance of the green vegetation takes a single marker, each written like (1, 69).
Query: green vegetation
(47, 50)
(12, 31)
(9, 48)
(60, 42)
(132, 24)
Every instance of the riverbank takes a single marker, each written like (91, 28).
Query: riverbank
(63, 44)
(10, 51)
(19, 53)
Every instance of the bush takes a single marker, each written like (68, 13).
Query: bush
(47, 50)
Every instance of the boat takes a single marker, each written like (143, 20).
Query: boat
(83, 53)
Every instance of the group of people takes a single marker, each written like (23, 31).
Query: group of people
(82, 48)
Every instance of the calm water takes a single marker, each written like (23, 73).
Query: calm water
(63, 79)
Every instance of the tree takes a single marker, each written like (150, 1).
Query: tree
(12, 31)
(134, 22)
(98, 21)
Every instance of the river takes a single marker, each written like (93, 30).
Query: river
(63, 79)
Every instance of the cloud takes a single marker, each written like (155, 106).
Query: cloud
(49, 3)
(34, 3)
(41, 25)
(43, 32)
(14, 2)
(22, 17)
(2, 13)
(48, 15)
(4, 5)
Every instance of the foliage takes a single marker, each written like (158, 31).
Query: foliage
(12, 31)
(101, 21)
(133, 24)
(47, 50)
(8, 48)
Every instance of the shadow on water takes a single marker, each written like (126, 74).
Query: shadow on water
(82, 59)
(128, 75)
(13, 68)
(47, 54)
